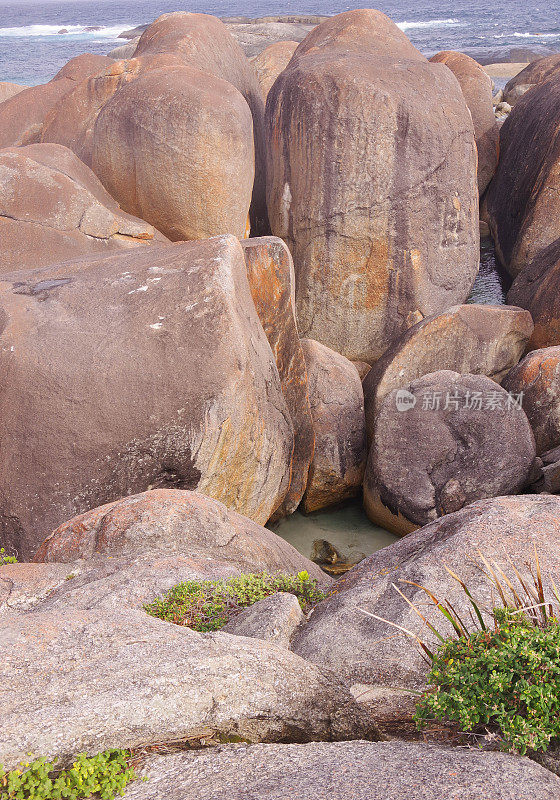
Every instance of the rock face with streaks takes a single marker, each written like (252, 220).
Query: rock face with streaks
(456, 439)
(337, 408)
(522, 205)
(271, 277)
(537, 288)
(273, 618)
(534, 73)
(371, 163)
(271, 62)
(22, 116)
(146, 369)
(372, 653)
(53, 208)
(475, 339)
(345, 771)
(537, 377)
(476, 86)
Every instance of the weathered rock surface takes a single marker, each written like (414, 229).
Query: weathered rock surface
(537, 288)
(71, 121)
(345, 771)
(273, 618)
(146, 369)
(476, 86)
(175, 147)
(475, 339)
(202, 42)
(458, 438)
(271, 278)
(173, 522)
(22, 115)
(368, 652)
(125, 50)
(53, 208)
(337, 409)
(255, 35)
(372, 183)
(538, 378)
(271, 62)
(522, 205)
(24, 585)
(9, 90)
(534, 73)
(125, 679)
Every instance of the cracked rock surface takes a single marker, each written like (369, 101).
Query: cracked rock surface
(53, 208)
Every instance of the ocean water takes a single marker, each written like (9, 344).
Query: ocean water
(32, 49)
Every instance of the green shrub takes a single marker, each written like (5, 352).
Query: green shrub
(4, 559)
(208, 605)
(501, 666)
(106, 775)
(509, 677)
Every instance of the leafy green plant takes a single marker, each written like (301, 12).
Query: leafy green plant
(209, 605)
(105, 775)
(4, 559)
(501, 665)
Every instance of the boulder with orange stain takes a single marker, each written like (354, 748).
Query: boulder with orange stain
(141, 370)
(54, 208)
(476, 339)
(337, 408)
(372, 183)
(476, 86)
(271, 278)
(537, 379)
(22, 115)
(522, 204)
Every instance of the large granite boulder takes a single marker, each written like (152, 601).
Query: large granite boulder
(204, 43)
(537, 378)
(537, 288)
(522, 205)
(534, 73)
(476, 339)
(9, 90)
(175, 147)
(441, 442)
(71, 120)
(271, 62)
(343, 771)
(476, 86)
(372, 183)
(337, 408)
(53, 208)
(370, 653)
(143, 528)
(22, 116)
(146, 369)
(271, 278)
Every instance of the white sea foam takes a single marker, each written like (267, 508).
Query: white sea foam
(32, 31)
(430, 23)
(527, 35)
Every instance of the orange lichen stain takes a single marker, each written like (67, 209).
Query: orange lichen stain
(377, 269)
(247, 231)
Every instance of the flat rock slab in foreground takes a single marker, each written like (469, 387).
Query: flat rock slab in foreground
(344, 771)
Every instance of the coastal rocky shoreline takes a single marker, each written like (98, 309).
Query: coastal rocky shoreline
(235, 259)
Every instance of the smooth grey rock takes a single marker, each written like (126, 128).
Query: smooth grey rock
(273, 618)
(460, 439)
(362, 650)
(343, 771)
